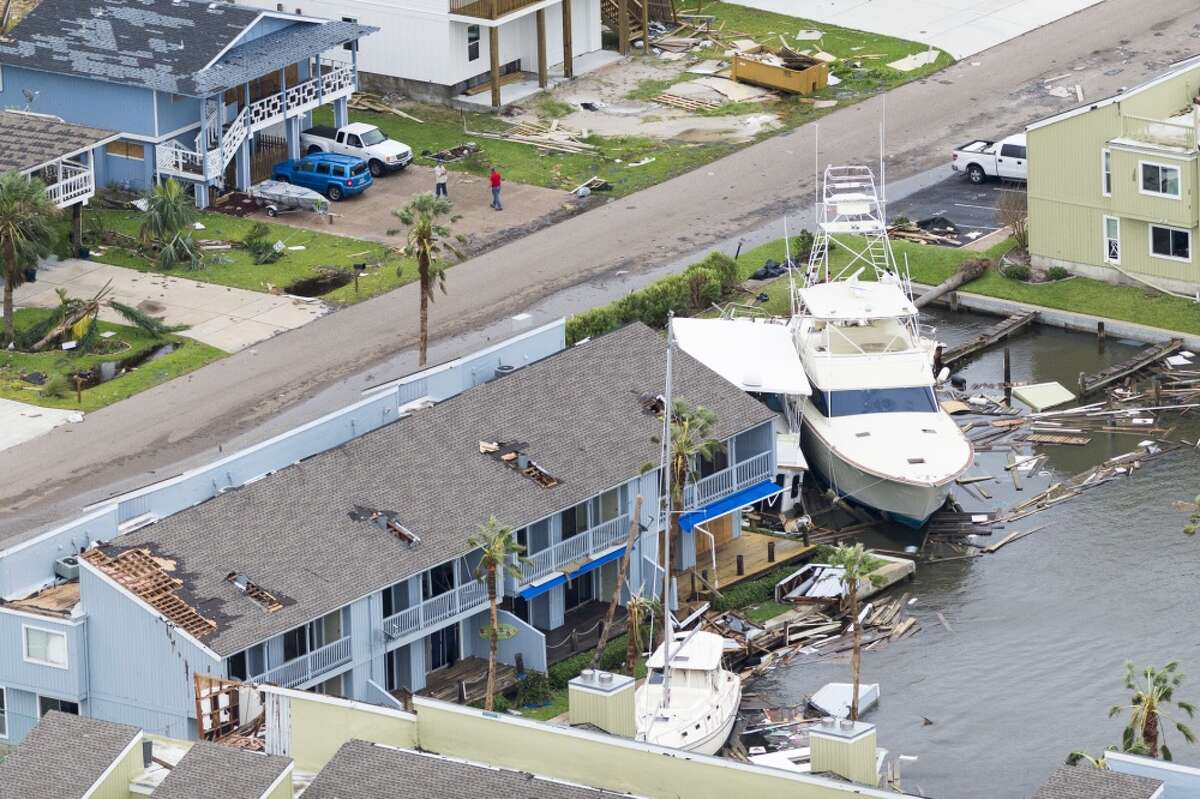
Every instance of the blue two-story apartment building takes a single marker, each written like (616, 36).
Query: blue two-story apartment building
(193, 88)
(347, 568)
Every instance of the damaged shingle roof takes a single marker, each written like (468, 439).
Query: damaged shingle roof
(160, 44)
(291, 533)
(1088, 782)
(63, 757)
(31, 140)
(362, 770)
(210, 770)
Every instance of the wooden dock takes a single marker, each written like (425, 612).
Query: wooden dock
(1091, 383)
(1001, 330)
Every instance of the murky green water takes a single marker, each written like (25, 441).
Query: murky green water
(1040, 631)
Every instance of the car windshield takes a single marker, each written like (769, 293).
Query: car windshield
(358, 168)
(372, 136)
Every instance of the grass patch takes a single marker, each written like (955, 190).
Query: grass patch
(765, 611)
(321, 251)
(564, 671)
(59, 366)
(649, 88)
(550, 107)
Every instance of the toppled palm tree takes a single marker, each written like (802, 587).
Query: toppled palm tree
(638, 610)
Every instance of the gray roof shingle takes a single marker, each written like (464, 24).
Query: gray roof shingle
(31, 140)
(157, 44)
(1088, 782)
(291, 532)
(362, 770)
(63, 757)
(209, 770)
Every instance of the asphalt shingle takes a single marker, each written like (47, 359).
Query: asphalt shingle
(210, 770)
(31, 140)
(362, 770)
(291, 532)
(63, 757)
(1088, 782)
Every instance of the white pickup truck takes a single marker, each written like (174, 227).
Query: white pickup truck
(1004, 159)
(361, 141)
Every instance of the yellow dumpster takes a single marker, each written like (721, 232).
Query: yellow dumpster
(784, 70)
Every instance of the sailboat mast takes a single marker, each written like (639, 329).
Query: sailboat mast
(668, 627)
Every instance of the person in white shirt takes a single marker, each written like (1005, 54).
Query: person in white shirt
(440, 178)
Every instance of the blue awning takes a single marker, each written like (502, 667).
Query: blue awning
(714, 510)
(558, 579)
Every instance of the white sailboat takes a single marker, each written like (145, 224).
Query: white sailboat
(873, 430)
(688, 700)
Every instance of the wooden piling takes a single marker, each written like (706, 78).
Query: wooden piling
(770, 552)
(741, 565)
(1007, 377)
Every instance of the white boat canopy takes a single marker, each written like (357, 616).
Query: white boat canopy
(753, 354)
(849, 300)
(691, 650)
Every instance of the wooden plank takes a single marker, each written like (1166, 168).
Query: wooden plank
(686, 103)
(1117, 372)
(1059, 438)
(988, 337)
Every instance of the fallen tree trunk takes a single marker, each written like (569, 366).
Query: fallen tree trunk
(967, 271)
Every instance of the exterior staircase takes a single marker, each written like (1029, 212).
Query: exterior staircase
(660, 11)
(173, 158)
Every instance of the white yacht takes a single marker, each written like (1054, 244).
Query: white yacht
(873, 429)
(698, 710)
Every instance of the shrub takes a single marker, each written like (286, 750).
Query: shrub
(533, 690)
(1016, 272)
(613, 659)
(751, 592)
(260, 247)
(802, 245)
(1057, 273)
(56, 387)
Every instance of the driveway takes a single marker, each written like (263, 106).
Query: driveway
(974, 209)
(960, 27)
(229, 319)
(369, 215)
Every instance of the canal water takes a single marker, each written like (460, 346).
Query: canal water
(1039, 631)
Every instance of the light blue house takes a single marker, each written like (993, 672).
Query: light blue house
(341, 562)
(198, 91)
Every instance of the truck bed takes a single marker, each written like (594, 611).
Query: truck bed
(977, 146)
(323, 132)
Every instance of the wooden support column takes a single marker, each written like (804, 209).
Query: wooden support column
(623, 27)
(541, 42)
(568, 49)
(645, 26)
(76, 229)
(494, 47)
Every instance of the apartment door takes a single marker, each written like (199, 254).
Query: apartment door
(581, 589)
(443, 646)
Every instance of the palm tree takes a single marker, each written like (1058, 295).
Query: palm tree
(1075, 758)
(638, 609)
(499, 546)
(167, 225)
(1148, 709)
(26, 234)
(858, 565)
(691, 438)
(428, 240)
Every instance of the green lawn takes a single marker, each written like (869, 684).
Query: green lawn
(523, 163)
(236, 268)
(128, 343)
(765, 611)
(932, 265)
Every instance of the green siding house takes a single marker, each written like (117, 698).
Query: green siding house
(1113, 185)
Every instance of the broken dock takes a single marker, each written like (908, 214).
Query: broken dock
(1001, 330)
(1119, 371)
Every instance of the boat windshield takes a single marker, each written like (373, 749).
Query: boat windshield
(655, 677)
(852, 402)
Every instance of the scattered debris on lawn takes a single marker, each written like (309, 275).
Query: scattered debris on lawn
(915, 61)
(453, 153)
(362, 101)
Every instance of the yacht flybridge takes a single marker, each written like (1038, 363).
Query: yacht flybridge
(873, 430)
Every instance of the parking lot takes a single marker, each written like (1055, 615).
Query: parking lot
(974, 209)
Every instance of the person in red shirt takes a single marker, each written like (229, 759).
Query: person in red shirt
(495, 181)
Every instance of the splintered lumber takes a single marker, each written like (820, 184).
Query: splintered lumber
(361, 101)
(1008, 539)
(987, 338)
(686, 103)
(1095, 382)
(1060, 438)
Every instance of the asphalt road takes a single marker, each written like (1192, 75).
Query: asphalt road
(285, 380)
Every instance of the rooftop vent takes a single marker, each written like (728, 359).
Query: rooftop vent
(387, 519)
(915, 461)
(260, 595)
(513, 456)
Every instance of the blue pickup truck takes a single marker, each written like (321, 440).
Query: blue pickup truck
(335, 176)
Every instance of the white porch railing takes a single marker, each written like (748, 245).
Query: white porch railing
(307, 668)
(75, 182)
(333, 84)
(172, 158)
(445, 606)
(728, 481)
(576, 548)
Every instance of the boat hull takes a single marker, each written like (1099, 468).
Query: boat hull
(708, 744)
(905, 503)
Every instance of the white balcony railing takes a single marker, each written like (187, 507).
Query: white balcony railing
(434, 611)
(307, 668)
(1165, 133)
(336, 81)
(576, 548)
(75, 182)
(728, 481)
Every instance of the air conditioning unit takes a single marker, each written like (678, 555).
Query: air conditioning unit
(67, 567)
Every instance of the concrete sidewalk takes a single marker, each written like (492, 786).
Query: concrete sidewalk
(230, 319)
(21, 422)
(295, 377)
